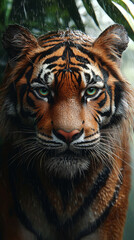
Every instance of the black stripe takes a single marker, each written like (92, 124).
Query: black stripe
(99, 183)
(80, 48)
(42, 196)
(22, 93)
(50, 45)
(51, 39)
(96, 224)
(19, 212)
(30, 101)
(82, 59)
(47, 207)
(90, 141)
(84, 50)
(104, 114)
(105, 74)
(88, 77)
(102, 102)
(75, 69)
(50, 51)
(29, 74)
(38, 79)
(58, 83)
(51, 59)
(97, 118)
(20, 75)
(114, 121)
(96, 98)
(117, 116)
(119, 91)
(67, 52)
(111, 70)
(52, 66)
(108, 89)
(22, 71)
(91, 135)
(43, 134)
(79, 79)
(49, 210)
(81, 65)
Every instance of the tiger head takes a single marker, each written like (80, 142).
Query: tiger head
(61, 94)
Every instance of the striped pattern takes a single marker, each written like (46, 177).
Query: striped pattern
(65, 108)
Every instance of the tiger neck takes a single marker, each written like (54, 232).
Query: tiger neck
(61, 201)
(60, 191)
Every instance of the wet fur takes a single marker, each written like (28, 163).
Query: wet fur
(49, 192)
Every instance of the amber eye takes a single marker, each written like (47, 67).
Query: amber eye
(44, 92)
(91, 91)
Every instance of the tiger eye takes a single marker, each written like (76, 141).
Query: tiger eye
(91, 91)
(43, 92)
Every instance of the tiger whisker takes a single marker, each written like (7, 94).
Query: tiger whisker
(113, 153)
(110, 162)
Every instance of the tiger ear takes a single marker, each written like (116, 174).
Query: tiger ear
(112, 42)
(17, 39)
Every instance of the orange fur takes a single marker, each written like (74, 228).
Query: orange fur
(65, 117)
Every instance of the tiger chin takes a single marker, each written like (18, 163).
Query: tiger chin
(65, 120)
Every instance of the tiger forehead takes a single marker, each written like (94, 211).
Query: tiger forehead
(67, 47)
(68, 35)
(64, 61)
(64, 74)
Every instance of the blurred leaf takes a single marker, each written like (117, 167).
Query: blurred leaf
(87, 4)
(116, 15)
(2, 13)
(125, 14)
(47, 16)
(74, 13)
(9, 4)
(130, 6)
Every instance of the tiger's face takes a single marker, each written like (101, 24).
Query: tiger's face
(67, 91)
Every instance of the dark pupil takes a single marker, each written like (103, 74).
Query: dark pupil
(91, 90)
(43, 91)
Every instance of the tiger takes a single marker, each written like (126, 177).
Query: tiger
(66, 118)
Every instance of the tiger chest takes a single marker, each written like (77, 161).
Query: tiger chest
(59, 211)
(51, 213)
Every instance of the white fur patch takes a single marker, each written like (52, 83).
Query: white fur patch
(45, 70)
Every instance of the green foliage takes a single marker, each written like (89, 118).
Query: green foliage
(70, 5)
(115, 14)
(3, 8)
(90, 10)
(127, 11)
(46, 16)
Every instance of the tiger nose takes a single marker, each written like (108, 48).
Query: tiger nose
(68, 136)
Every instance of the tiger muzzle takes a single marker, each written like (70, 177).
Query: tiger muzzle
(68, 137)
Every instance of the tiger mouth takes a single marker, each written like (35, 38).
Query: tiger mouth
(67, 155)
(66, 164)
